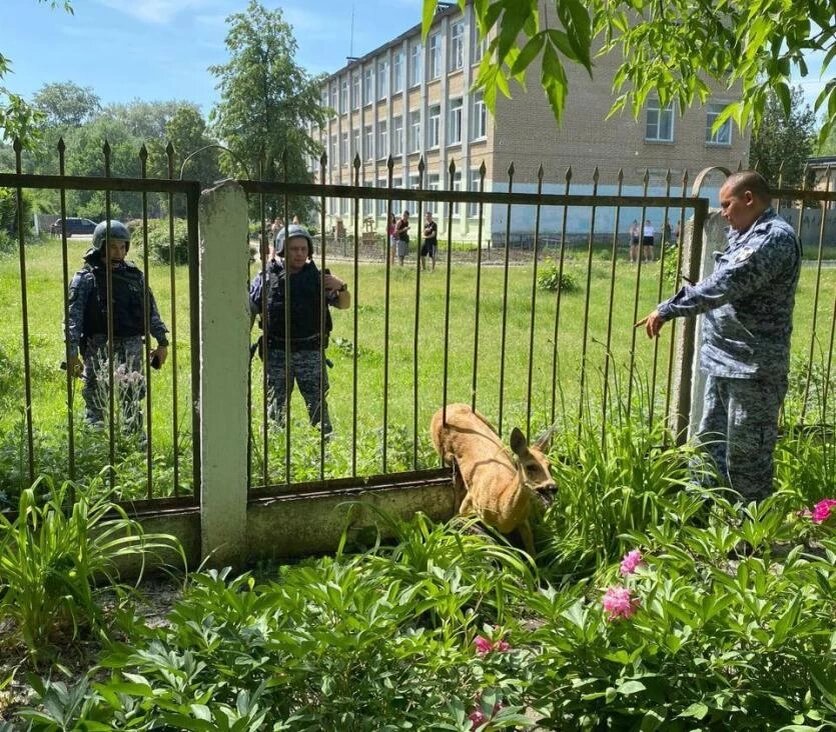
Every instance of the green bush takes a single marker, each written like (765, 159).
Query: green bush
(551, 278)
(159, 241)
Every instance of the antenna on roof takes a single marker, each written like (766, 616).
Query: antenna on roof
(351, 42)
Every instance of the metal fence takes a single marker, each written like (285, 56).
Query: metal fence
(48, 437)
(532, 329)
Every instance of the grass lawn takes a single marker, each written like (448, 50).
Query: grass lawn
(416, 344)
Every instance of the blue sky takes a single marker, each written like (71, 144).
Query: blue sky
(158, 50)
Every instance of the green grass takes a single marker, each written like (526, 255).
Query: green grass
(405, 448)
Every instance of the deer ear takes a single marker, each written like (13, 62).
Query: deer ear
(519, 444)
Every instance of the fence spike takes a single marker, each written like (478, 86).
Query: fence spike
(452, 169)
(646, 178)
(323, 160)
(421, 164)
(482, 169)
(511, 170)
(739, 165)
(61, 146)
(668, 178)
(568, 175)
(684, 179)
(540, 173)
(143, 153)
(620, 176)
(17, 145)
(356, 161)
(595, 175)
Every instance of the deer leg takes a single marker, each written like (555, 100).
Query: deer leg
(527, 537)
(459, 488)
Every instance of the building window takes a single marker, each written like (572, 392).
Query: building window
(432, 182)
(325, 98)
(473, 185)
(344, 148)
(454, 121)
(397, 135)
(355, 143)
(457, 186)
(382, 140)
(456, 45)
(478, 46)
(479, 118)
(659, 126)
(355, 91)
(397, 71)
(416, 64)
(382, 202)
(397, 205)
(414, 131)
(368, 85)
(332, 152)
(344, 95)
(382, 79)
(368, 142)
(433, 125)
(414, 181)
(434, 56)
(334, 103)
(723, 135)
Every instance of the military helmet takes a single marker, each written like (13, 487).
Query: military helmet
(289, 232)
(118, 231)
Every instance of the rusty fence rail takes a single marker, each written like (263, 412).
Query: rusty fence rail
(159, 463)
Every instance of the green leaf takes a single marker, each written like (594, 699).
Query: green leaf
(627, 688)
(697, 710)
(528, 53)
(427, 15)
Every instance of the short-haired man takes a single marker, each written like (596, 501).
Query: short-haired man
(748, 303)
(307, 339)
(430, 245)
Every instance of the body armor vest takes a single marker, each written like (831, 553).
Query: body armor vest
(128, 300)
(305, 316)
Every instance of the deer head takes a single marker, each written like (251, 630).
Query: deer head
(532, 463)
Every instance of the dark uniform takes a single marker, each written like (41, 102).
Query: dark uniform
(307, 341)
(745, 350)
(87, 332)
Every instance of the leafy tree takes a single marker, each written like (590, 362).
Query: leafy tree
(145, 120)
(668, 48)
(17, 118)
(267, 100)
(783, 142)
(66, 104)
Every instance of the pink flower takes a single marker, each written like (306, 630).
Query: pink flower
(483, 645)
(630, 561)
(822, 510)
(502, 646)
(619, 602)
(477, 717)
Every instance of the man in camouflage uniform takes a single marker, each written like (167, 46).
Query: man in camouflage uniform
(307, 339)
(748, 303)
(87, 327)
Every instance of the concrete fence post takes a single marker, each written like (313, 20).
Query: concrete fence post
(224, 365)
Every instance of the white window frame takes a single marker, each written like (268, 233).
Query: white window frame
(397, 135)
(355, 91)
(355, 144)
(456, 60)
(457, 186)
(434, 57)
(473, 186)
(382, 139)
(368, 142)
(723, 136)
(478, 46)
(416, 63)
(382, 79)
(397, 71)
(344, 95)
(653, 128)
(414, 136)
(434, 126)
(334, 98)
(479, 118)
(344, 148)
(368, 85)
(454, 121)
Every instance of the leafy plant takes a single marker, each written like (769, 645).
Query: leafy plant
(160, 243)
(551, 278)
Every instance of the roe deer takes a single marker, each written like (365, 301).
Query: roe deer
(497, 488)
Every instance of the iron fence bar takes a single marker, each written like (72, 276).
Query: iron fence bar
(192, 203)
(323, 161)
(175, 403)
(585, 336)
(389, 254)
(444, 383)
(356, 334)
(559, 294)
(607, 347)
(504, 326)
(482, 171)
(94, 183)
(24, 301)
(288, 354)
(111, 375)
(65, 268)
(662, 250)
(146, 326)
(417, 320)
(816, 293)
(636, 296)
(829, 362)
(677, 275)
(533, 305)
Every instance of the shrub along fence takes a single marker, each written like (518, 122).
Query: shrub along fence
(538, 335)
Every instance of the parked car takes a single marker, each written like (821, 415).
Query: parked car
(75, 225)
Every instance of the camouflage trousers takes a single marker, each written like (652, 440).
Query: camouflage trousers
(305, 370)
(128, 380)
(739, 430)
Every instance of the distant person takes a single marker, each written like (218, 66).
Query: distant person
(307, 339)
(430, 245)
(668, 235)
(87, 327)
(391, 226)
(402, 236)
(747, 304)
(634, 241)
(648, 241)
